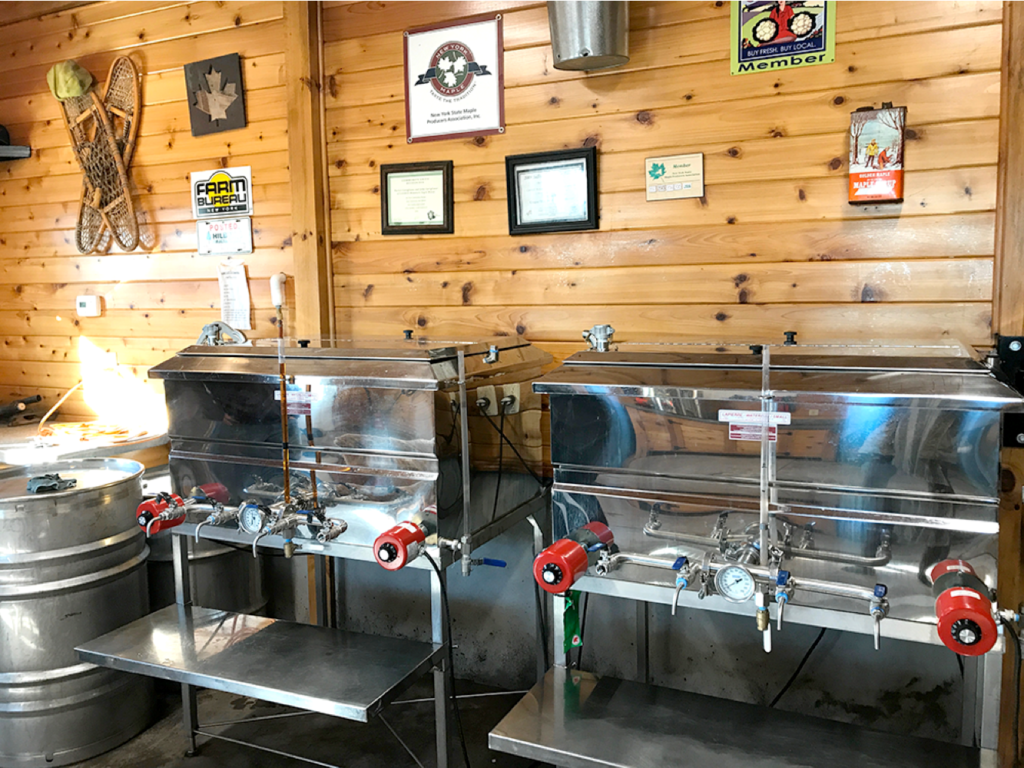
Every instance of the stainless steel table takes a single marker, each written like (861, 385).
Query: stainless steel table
(579, 720)
(278, 661)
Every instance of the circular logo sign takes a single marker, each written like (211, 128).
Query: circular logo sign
(452, 74)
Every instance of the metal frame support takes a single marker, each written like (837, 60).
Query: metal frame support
(988, 687)
(442, 680)
(467, 543)
(558, 630)
(542, 640)
(323, 578)
(183, 598)
(643, 646)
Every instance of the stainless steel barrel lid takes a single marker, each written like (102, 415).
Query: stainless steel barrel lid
(88, 474)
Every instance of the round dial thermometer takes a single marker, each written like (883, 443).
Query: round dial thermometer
(735, 583)
(252, 519)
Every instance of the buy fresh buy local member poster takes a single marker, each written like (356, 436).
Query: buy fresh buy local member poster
(768, 35)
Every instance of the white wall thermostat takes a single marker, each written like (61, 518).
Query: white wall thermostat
(88, 306)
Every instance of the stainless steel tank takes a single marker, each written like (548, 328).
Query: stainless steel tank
(589, 34)
(72, 567)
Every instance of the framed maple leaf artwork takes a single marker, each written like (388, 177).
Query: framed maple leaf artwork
(216, 98)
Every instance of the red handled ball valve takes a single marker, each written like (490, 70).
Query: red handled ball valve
(558, 567)
(164, 511)
(963, 605)
(399, 546)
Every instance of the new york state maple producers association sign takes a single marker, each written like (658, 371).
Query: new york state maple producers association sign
(454, 86)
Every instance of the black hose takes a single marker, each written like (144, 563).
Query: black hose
(501, 457)
(543, 624)
(451, 656)
(511, 445)
(583, 629)
(799, 667)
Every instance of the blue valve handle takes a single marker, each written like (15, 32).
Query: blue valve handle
(679, 563)
(495, 563)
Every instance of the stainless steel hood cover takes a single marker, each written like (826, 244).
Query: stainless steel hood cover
(588, 35)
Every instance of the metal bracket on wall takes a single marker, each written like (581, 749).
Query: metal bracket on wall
(1013, 430)
(1010, 360)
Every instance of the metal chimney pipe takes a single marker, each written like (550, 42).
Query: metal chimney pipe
(589, 34)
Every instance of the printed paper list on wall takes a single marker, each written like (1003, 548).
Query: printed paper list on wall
(453, 80)
(235, 309)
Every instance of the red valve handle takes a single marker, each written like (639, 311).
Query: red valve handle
(963, 606)
(150, 509)
(215, 492)
(398, 546)
(558, 567)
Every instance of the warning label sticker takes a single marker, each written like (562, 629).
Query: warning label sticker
(752, 432)
(754, 417)
(299, 403)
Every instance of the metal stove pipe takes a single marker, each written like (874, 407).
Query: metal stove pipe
(589, 35)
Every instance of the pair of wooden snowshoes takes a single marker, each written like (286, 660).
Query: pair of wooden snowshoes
(103, 133)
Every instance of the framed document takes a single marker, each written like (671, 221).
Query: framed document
(417, 199)
(552, 191)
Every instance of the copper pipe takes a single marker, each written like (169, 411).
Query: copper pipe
(309, 441)
(284, 408)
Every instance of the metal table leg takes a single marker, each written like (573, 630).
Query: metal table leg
(183, 597)
(643, 673)
(558, 630)
(542, 641)
(989, 685)
(324, 590)
(442, 680)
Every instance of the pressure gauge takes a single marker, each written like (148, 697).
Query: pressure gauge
(735, 583)
(252, 519)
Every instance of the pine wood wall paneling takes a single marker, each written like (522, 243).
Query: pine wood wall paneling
(313, 316)
(1009, 298)
(157, 298)
(806, 115)
(956, 190)
(785, 283)
(362, 47)
(13, 11)
(247, 39)
(745, 323)
(940, 145)
(773, 245)
(703, 79)
(738, 244)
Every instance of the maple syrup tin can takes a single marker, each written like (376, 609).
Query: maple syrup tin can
(876, 155)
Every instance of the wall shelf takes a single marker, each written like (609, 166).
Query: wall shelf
(15, 153)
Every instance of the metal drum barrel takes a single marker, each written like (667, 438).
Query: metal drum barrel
(72, 568)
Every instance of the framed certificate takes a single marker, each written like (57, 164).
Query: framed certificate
(552, 191)
(417, 199)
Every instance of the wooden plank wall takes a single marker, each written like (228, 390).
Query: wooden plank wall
(157, 298)
(772, 246)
